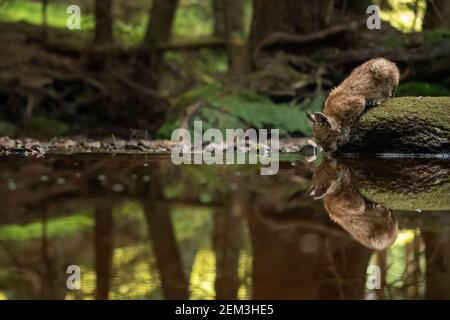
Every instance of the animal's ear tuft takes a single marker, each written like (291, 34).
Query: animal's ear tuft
(321, 118)
(310, 117)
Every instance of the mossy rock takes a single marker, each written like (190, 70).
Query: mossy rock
(44, 128)
(403, 125)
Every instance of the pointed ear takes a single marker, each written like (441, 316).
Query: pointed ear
(321, 118)
(310, 117)
(320, 196)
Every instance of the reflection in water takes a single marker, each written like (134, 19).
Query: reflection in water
(173, 281)
(103, 247)
(372, 224)
(140, 227)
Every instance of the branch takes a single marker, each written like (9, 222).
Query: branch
(282, 38)
(405, 55)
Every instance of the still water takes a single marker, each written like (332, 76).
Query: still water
(139, 227)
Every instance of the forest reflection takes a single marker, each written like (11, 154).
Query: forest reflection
(140, 227)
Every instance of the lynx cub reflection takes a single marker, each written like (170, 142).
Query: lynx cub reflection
(369, 85)
(371, 224)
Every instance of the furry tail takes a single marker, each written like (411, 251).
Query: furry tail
(385, 70)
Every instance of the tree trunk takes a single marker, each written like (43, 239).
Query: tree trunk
(291, 17)
(228, 22)
(403, 125)
(288, 16)
(227, 240)
(437, 14)
(103, 22)
(168, 258)
(158, 32)
(148, 63)
(44, 21)
(103, 248)
(228, 18)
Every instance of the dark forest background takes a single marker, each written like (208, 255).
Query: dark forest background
(146, 67)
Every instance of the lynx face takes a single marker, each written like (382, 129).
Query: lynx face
(326, 131)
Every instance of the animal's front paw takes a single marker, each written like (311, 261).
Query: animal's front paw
(371, 103)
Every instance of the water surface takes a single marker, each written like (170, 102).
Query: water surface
(140, 227)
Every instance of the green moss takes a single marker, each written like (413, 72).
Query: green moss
(435, 110)
(403, 125)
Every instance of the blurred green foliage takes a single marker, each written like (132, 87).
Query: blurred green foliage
(425, 89)
(44, 127)
(396, 41)
(436, 35)
(400, 281)
(56, 227)
(7, 129)
(30, 11)
(226, 108)
(400, 13)
(193, 19)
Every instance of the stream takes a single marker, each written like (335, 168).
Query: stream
(104, 226)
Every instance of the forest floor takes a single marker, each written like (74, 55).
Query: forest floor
(80, 144)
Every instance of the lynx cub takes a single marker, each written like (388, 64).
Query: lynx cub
(369, 85)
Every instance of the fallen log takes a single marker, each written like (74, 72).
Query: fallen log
(406, 125)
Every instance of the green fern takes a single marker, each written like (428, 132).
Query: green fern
(225, 108)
